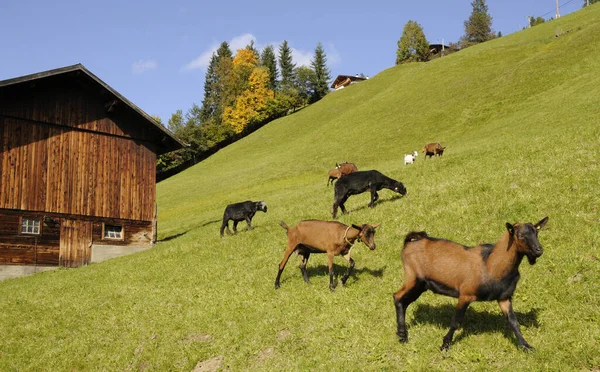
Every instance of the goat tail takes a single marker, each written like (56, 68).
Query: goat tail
(284, 225)
(413, 236)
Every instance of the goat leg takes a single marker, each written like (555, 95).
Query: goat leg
(400, 319)
(330, 265)
(374, 197)
(409, 293)
(305, 257)
(286, 256)
(347, 275)
(223, 225)
(457, 319)
(249, 222)
(507, 309)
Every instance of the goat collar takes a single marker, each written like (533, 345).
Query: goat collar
(346, 236)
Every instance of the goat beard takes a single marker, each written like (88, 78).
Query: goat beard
(531, 258)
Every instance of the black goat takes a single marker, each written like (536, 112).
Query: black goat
(359, 182)
(241, 211)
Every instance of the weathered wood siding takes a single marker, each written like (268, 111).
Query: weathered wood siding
(17, 249)
(75, 103)
(64, 149)
(62, 170)
(67, 241)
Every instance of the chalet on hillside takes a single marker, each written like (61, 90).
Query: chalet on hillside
(342, 81)
(437, 48)
(77, 171)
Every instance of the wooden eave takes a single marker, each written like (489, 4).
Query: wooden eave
(169, 142)
(342, 79)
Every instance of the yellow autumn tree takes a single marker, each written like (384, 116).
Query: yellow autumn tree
(250, 106)
(244, 63)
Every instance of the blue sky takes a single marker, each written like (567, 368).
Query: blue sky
(155, 53)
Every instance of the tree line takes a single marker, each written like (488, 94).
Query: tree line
(414, 47)
(242, 92)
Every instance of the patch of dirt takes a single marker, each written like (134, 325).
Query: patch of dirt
(282, 335)
(197, 338)
(265, 354)
(575, 278)
(209, 365)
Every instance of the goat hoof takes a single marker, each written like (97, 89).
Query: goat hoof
(277, 286)
(527, 348)
(403, 338)
(445, 346)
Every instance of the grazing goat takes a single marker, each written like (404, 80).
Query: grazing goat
(359, 182)
(334, 174)
(432, 149)
(341, 170)
(483, 273)
(410, 158)
(331, 237)
(239, 212)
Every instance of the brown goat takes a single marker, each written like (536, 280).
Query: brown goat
(334, 174)
(340, 170)
(432, 149)
(482, 273)
(346, 168)
(331, 237)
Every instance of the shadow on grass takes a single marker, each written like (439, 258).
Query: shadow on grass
(339, 271)
(380, 201)
(475, 322)
(171, 237)
(210, 222)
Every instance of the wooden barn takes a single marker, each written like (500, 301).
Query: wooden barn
(77, 172)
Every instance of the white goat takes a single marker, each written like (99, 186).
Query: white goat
(410, 158)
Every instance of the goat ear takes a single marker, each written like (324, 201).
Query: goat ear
(376, 226)
(357, 227)
(510, 228)
(541, 224)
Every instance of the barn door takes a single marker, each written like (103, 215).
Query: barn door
(75, 243)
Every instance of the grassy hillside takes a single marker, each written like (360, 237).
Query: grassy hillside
(519, 116)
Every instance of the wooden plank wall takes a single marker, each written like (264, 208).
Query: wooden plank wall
(61, 170)
(17, 249)
(44, 249)
(136, 233)
(73, 102)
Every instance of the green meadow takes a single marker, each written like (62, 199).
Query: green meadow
(520, 117)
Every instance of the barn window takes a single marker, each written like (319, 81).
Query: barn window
(113, 232)
(30, 226)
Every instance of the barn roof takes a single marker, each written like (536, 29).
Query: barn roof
(168, 141)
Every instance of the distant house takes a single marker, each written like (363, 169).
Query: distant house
(343, 81)
(77, 171)
(437, 48)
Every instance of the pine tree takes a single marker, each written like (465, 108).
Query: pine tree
(478, 28)
(286, 66)
(212, 84)
(322, 77)
(252, 48)
(413, 45)
(268, 60)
